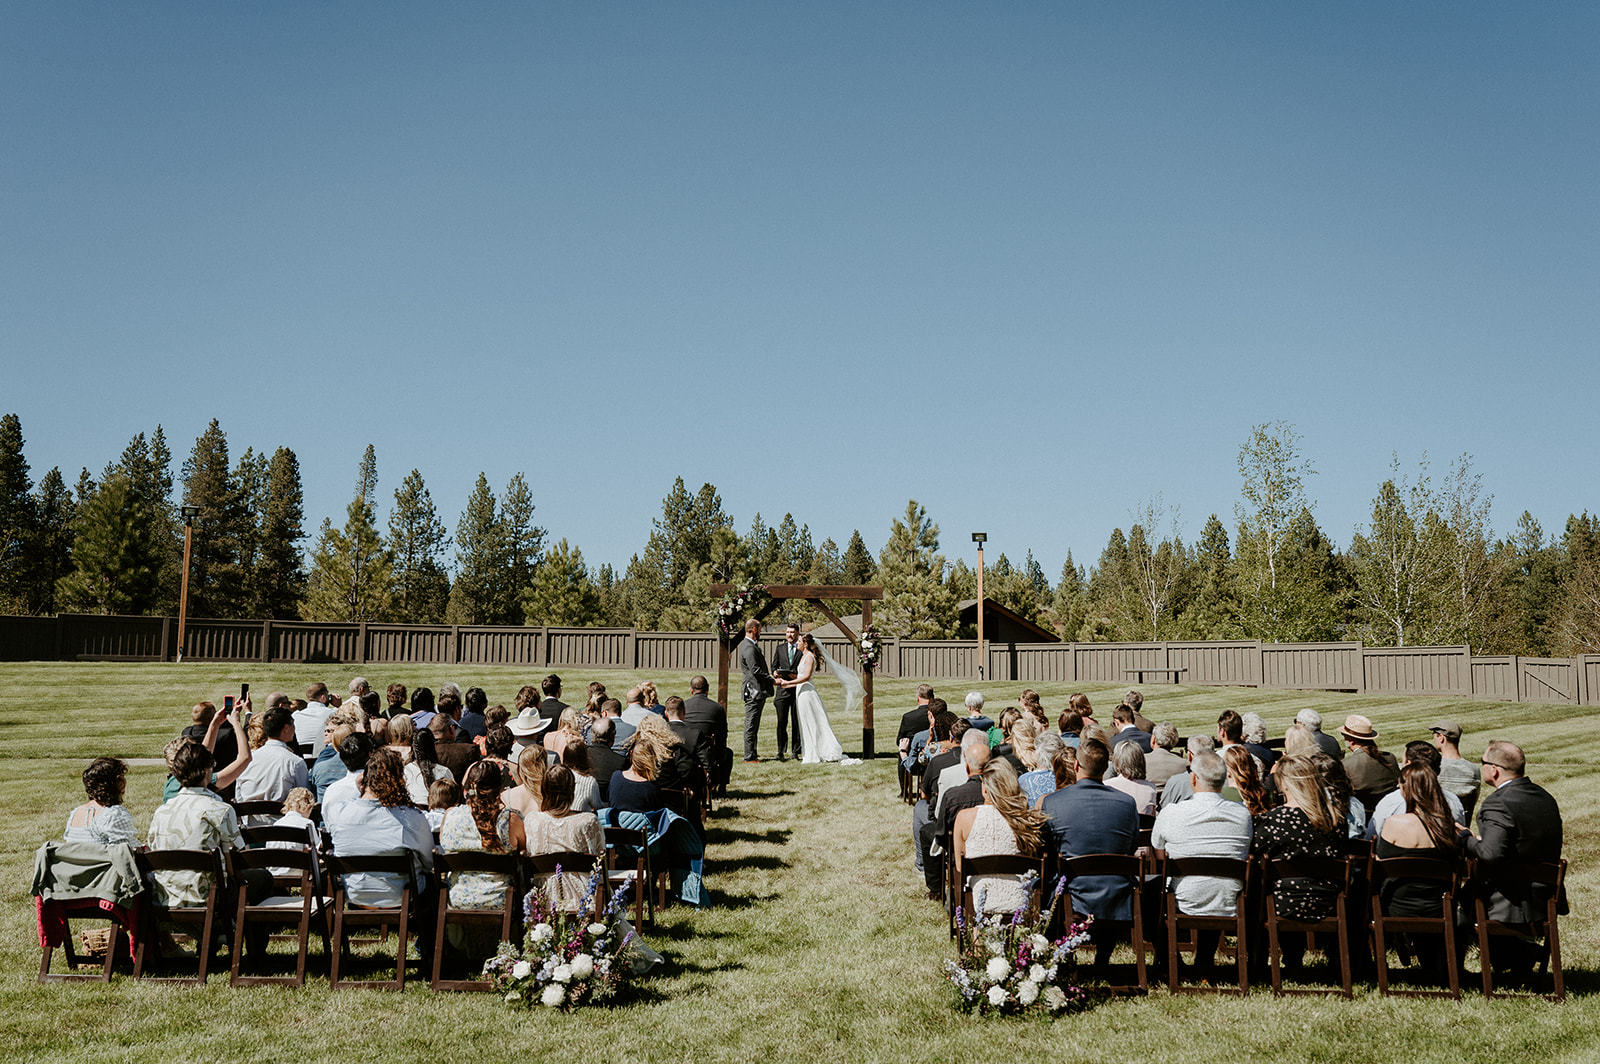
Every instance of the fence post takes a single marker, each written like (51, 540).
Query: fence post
(166, 637)
(266, 641)
(61, 636)
(633, 648)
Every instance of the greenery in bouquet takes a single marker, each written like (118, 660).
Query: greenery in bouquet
(729, 612)
(566, 959)
(1008, 965)
(871, 647)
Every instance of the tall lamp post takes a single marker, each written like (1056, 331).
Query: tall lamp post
(980, 538)
(189, 514)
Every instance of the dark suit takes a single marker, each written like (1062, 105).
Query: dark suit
(754, 689)
(458, 757)
(550, 709)
(1519, 822)
(702, 712)
(1130, 733)
(915, 720)
(1089, 817)
(697, 738)
(603, 761)
(962, 796)
(786, 663)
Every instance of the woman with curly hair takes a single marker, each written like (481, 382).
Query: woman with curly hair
(1003, 824)
(482, 822)
(650, 700)
(562, 829)
(103, 818)
(383, 821)
(675, 766)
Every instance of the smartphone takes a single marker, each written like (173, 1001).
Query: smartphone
(227, 704)
(244, 691)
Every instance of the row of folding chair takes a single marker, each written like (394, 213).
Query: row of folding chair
(1357, 918)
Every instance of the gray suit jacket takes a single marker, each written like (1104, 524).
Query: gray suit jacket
(753, 664)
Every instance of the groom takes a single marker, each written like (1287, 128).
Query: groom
(785, 665)
(756, 687)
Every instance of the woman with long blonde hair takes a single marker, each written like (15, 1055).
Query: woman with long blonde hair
(1023, 735)
(1003, 824)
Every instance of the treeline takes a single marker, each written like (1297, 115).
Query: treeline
(1426, 569)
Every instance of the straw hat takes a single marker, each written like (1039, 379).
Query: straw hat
(1358, 727)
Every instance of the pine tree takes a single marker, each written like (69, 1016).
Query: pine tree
(916, 603)
(115, 571)
(350, 569)
(1212, 607)
(477, 558)
(250, 479)
(827, 567)
(614, 609)
(18, 519)
(417, 541)
(276, 585)
(53, 538)
(562, 593)
(1575, 619)
(216, 572)
(1070, 605)
(521, 545)
(859, 567)
(756, 546)
(668, 582)
(147, 463)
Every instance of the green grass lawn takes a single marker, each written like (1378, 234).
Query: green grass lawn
(819, 945)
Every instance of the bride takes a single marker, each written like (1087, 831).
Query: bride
(817, 739)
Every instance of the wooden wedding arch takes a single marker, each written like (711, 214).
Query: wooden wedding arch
(818, 596)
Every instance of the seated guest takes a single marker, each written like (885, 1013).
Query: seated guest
(1421, 752)
(1306, 825)
(939, 749)
(699, 739)
(103, 818)
(953, 797)
(497, 744)
(1000, 734)
(378, 730)
(1457, 775)
(528, 728)
(1518, 822)
(1129, 761)
(328, 768)
(1071, 724)
(1178, 787)
(1426, 828)
(1244, 785)
(634, 789)
(225, 741)
(481, 822)
(1135, 701)
(621, 730)
(1090, 817)
(911, 746)
(1003, 824)
(198, 819)
(585, 788)
(1063, 768)
(456, 752)
(915, 720)
(634, 711)
(277, 768)
(675, 766)
(559, 829)
(1373, 773)
(524, 797)
(941, 753)
(597, 695)
(1205, 826)
(1025, 746)
(443, 796)
(449, 704)
(1345, 803)
(309, 719)
(975, 717)
(1079, 704)
(1127, 731)
(493, 716)
(353, 753)
(297, 814)
(383, 822)
(473, 723)
(651, 700)
(222, 782)
(1161, 764)
(421, 707)
(396, 694)
(1309, 721)
(1028, 702)
(603, 759)
(423, 768)
(567, 730)
(1254, 736)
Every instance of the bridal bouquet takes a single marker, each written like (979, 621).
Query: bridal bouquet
(1008, 966)
(729, 612)
(566, 959)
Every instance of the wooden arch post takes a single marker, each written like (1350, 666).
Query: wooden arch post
(818, 596)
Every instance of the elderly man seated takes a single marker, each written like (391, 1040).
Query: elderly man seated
(1207, 825)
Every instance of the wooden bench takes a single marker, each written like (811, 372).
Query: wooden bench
(1139, 674)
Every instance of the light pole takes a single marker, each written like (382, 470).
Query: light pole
(979, 538)
(189, 514)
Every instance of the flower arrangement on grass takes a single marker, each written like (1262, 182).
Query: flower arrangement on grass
(566, 959)
(729, 611)
(871, 647)
(1007, 965)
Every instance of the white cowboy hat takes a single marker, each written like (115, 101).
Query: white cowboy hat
(527, 723)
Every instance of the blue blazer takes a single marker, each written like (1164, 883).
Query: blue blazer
(1089, 817)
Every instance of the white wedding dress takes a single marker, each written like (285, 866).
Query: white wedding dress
(817, 741)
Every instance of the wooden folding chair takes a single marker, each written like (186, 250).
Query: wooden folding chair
(203, 916)
(81, 910)
(1125, 866)
(1234, 924)
(628, 861)
(570, 861)
(507, 917)
(687, 805)
(1445, 873)
(265, 836)
(279, 911)
(1548, 876)
(1333, 870)
(1001, 865)
(347, 915)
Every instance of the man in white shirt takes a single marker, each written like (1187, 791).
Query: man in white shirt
(310, 722)
(353, 752)
(1206, 825)
(276, 768)
(634, 711)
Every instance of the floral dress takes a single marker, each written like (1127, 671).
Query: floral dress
(473, 890)
(1284, 833)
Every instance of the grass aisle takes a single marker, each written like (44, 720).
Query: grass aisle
(818, 945)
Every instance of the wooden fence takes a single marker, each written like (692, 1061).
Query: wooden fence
(1244, 663)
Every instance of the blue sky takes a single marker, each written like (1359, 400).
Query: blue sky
(1030, 264)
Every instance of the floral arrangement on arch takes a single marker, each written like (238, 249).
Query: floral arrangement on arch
(566, 959)
(1007, 965)
(729, 611)
(870, 647)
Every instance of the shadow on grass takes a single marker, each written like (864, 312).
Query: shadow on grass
(769, 862)
(734, 902)
(733, 795)
(727, 835)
